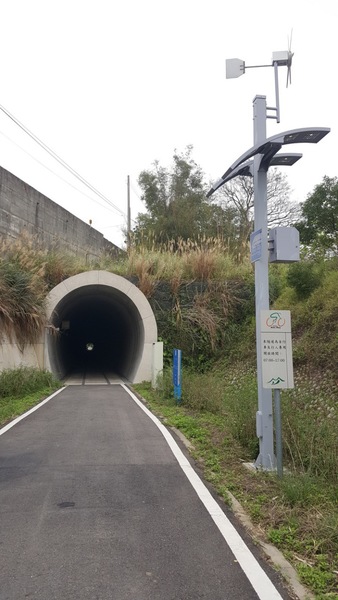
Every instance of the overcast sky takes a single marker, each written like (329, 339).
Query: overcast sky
(111, 86)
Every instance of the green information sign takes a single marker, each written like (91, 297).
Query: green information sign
(276, 349)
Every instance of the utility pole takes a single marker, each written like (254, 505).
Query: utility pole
(128, 213)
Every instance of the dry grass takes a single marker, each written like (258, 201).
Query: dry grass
(27, 273)
(22, 290)
(203, 259)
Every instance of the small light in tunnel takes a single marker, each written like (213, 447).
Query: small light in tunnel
(90, 346)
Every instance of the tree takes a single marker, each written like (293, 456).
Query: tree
(319, 217)
(239, 194)
(176, 203)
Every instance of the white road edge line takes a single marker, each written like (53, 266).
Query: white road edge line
(259, 580)
(30, 411)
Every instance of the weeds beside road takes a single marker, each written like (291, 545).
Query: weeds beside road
(22, 388)
(298, 513)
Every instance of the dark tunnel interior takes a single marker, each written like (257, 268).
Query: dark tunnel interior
(98, 330)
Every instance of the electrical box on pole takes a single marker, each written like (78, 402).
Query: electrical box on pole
(284, 245)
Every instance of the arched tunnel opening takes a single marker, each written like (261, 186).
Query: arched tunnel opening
(99, 328)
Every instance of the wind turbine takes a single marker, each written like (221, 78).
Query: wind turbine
(235, 67)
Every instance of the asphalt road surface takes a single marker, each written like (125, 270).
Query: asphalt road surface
(96, 504)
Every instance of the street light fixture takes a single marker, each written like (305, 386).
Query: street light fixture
(268, 151)
(255, 162)
(246, 169)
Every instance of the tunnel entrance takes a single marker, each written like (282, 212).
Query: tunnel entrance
(100, 322)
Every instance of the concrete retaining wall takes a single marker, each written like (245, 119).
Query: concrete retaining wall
(22, 208)
(12, 357)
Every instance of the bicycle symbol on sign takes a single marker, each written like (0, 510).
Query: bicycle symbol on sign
(275, 321)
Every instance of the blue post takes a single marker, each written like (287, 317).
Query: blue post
(177, 374)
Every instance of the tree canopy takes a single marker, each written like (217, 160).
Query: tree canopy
(176, 203)
(239, 193)
(318, 225)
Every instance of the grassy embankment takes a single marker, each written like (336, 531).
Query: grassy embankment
(299, 514)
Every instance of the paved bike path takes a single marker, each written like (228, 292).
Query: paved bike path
(94, 505)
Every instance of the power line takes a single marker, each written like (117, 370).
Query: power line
(60, 160)
(53, 172)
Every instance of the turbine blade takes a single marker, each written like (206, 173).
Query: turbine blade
(288, 76)
(290, 41)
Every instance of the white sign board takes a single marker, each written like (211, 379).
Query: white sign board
(276, 349)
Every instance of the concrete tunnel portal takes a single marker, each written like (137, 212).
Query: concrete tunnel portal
(100, 322)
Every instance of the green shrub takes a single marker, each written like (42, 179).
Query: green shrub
(240, 406)
(24, 381)
(277, 280)
(304, 277)
(298, 490)
(202, 392)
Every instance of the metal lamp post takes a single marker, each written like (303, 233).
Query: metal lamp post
(264, 415)
(264, 154)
